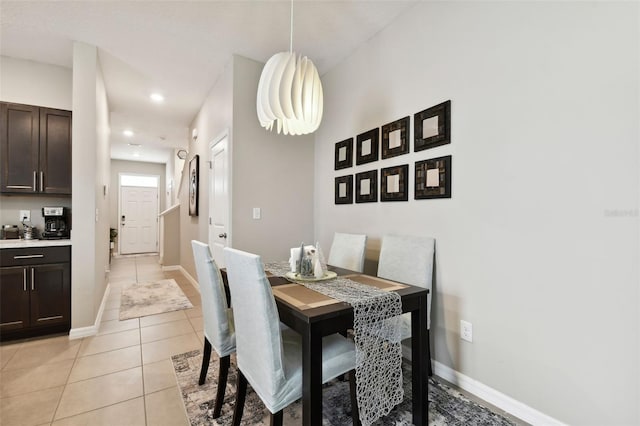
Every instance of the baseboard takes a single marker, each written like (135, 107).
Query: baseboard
(188, 276)
(172, 268)
(492, 396)
(92, 330)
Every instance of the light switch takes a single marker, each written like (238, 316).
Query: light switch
(257, 213)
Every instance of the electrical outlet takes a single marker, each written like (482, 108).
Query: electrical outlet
(257, 213)
(466, 331)
(25, 215)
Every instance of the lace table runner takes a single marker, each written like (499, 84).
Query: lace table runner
(376, 316)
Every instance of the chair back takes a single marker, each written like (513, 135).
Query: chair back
(217, 317)
(409, 260)
(258, 338)
(347, 251)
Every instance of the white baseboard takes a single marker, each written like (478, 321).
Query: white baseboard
(492, 396)
(188, 276)
(171, 268)
(92, 330)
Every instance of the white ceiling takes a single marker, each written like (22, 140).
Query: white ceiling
(179, 48)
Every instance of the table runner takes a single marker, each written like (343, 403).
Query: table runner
(377, 337)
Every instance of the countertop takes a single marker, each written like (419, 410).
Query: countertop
(33, 243)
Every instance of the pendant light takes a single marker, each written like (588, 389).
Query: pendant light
(290, 93)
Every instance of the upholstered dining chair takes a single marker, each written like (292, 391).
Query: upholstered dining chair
(409, 260)
(217, 317)
(347, 251)
(269, 354)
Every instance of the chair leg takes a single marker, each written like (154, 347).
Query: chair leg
(241, 392)
(205, 362)
(276, 419)
(429, 369)
(223, 372)
(355, 414)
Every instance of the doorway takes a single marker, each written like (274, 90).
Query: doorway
(138, 214)
(219, 206)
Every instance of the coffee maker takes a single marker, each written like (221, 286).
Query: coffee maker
(56, 225)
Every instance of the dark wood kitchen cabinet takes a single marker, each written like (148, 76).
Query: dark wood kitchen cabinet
(35, 291)
(35, 150)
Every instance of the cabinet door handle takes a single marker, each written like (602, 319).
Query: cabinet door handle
(24, 279)
(29, 256)
(42, 181)
(32, 288)
(35, 187)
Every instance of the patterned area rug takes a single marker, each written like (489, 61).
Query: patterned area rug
(447, 406)
(139, 300)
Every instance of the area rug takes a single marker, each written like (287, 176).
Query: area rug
(447, 406)
(142, 299)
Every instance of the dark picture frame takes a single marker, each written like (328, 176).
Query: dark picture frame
(433, 178)
(343, 154)
(367, 146)
(432, 127)
(194, 180)
(367, 187)
(394, 183)
(395, 138)
(344, 189)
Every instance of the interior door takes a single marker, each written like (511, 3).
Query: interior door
(219, 235)
(138, 220)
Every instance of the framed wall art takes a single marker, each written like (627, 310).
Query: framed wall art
(344, 190)
(367, 187)
(432, 127)
(194, 173)
(395, 138)
(394, 183)
(344, 154)
(433, 178)
(367, 146)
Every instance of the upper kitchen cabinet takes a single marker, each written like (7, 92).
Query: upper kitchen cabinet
(35, 147)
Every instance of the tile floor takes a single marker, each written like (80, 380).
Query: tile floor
(121, 376)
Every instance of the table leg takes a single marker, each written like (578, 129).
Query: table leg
(311, 377)
(419, 363)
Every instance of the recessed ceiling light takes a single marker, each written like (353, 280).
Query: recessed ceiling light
(157, 97)
(136, 154)
(128, 133)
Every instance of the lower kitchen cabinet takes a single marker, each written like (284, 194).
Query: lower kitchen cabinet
(35, 296)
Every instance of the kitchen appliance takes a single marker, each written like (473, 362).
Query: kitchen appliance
(10, 232)
(56, 223)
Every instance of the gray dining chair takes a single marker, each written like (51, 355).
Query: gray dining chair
(269, 354)
(348, 251)
(409, 260)
(218, 320)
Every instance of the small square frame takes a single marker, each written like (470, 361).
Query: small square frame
(194, 179)
(403, 183)
(443, 190)
(443, 113)
(403, 148)
(374, 136)
(372, 197)
(348, 161)
(348, 181)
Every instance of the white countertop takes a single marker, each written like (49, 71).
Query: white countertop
(33, 243)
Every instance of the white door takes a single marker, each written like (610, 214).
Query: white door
(219, 236)
(138, 220)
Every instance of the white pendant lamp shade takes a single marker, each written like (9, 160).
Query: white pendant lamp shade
(290, 95)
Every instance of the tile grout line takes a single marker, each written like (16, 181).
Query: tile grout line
(66, 382)
(144, 393)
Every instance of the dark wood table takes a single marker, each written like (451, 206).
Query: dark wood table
(315, 323)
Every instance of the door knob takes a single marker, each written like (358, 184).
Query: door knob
(223, 235)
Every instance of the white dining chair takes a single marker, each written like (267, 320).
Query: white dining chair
(409, 260)
(348, 251)
(217, 318)
(269, 354)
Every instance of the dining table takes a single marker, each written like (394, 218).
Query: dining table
(315, 316)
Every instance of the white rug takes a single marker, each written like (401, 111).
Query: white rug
(142, 299)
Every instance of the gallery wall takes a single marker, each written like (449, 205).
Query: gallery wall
(538, 245)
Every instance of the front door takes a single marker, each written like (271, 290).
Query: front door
(219, 236)
(138, 220)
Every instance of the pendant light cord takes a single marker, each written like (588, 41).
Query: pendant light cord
(291, 32)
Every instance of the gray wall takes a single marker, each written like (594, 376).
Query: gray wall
(538, 246)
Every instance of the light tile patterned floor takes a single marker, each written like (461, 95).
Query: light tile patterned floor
(121, 376)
